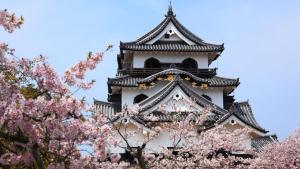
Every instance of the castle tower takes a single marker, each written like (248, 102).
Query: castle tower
(169, 67)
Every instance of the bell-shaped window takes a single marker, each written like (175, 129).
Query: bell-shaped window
(139, 98)
(189, 63)
(152, 63)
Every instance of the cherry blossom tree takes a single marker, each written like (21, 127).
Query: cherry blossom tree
(41, 122)
(278, 155)
(195, 144)
(42, 125)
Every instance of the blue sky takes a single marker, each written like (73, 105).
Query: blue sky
(261, 39)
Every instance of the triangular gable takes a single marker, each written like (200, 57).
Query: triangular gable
(169, 90)
(170, 33)
(175, 101)
(232, 119)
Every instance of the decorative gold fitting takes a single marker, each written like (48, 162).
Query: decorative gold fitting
(170, 77)
(204, 86)
(142, 86)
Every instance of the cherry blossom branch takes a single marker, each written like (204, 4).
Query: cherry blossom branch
(75, 74)
(10, 21)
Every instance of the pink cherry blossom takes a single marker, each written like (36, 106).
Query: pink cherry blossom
(42, 125)
(278, 155)
(10, 21)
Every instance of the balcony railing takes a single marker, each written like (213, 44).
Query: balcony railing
(149, 71)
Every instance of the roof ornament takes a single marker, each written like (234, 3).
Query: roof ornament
(170, 10)
(170, 6)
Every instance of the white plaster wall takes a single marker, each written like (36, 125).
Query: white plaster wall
(216, 95)
(140, 58)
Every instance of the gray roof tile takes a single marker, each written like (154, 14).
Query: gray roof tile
(215, 81)
(260, 142)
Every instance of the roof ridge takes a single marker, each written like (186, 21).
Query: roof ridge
(160, 26)
(184, 29)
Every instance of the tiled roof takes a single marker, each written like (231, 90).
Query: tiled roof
(200, 45)
(243, 111)
(161, 94)
(171, 47)
(124, 81)
(215, 81)
(260, 142)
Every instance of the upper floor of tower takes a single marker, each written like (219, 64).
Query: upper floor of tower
(168, 45)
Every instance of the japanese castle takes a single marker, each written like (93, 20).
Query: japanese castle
(168, 68)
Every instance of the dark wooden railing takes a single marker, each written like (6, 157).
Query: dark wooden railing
(149, 71)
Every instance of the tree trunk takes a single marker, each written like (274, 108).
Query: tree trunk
(142, 162)
(140, 157)
(38, 162)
